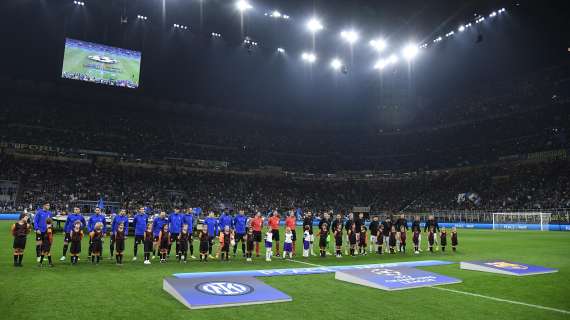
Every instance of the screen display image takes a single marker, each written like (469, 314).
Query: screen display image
(102, 64)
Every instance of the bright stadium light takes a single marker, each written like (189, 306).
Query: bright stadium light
(336, 64)
(280, 50)
(250, 43)
(243, 5)
(79, 3)
(393, 59)
(378, 44)
(276, 14)
(493, 14)
(461, 28)
(216, 35)
(314, 25)
(180, 26)
(309, 57)
(349, 36)
(410, 51)
(380, 64)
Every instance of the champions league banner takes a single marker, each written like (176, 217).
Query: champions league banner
(394, 278)
(505, 267)
(222, 292)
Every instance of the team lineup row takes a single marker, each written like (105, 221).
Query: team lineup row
(159, 234)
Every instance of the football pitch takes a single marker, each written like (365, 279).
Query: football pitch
(75, 60)
(134, 290)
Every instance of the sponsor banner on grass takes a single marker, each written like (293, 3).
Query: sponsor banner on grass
(312, 270)
(394, 278)
(505, 267)
(222, 292)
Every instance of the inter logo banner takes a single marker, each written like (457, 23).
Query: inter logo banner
(505, 267)
(394, 278)
(222, 292)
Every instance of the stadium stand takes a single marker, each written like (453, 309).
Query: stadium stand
(119, 148)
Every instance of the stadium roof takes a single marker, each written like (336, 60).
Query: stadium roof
(208, 63)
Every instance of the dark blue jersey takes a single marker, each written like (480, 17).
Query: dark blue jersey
(140, 221)
(70, 222)
(157, 225)
(225, 220)
(212, 224)
(175, 221)
(189, 220)
(94, 219)
(240, 223)
(40, 220)
(117, 220)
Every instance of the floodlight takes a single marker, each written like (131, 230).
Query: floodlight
(410, 51)
(243, 5)
(380, 64)
(336, 64)
(314, 25)
(349, 36)
(378, 44)
(309, 57)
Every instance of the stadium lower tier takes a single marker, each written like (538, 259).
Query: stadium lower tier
(508, 186)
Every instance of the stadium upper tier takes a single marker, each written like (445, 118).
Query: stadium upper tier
(514, 117)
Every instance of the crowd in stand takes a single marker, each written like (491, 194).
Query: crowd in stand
(510, 119)
(533, 185)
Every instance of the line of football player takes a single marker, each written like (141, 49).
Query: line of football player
(159, 235)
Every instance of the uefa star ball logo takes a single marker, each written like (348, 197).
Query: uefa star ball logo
(102, 59)
(224, 288)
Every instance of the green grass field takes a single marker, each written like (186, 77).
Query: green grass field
(75, 59)
(134, 291)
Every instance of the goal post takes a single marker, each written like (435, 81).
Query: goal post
(533, 220)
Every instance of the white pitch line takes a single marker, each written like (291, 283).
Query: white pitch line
(503, 300)
(307, 263)
(471, 294)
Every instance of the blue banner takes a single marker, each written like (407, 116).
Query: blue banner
(505, 267)
(394, 278)
(222, 292)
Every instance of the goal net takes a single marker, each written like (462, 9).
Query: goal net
(521, 221)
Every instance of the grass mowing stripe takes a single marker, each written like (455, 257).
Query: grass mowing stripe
(503, 300)
(472, 294)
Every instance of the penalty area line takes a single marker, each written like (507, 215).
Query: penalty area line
(536, 306)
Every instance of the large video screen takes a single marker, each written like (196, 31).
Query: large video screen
(98, 63)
